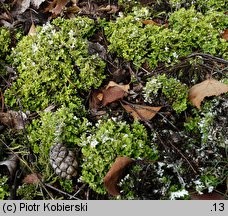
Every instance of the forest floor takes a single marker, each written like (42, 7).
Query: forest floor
(113, 99)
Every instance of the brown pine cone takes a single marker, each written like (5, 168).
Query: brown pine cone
(63, 161)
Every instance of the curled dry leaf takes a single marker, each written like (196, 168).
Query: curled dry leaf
(113, 92)
(33, 178)
(208, 196)
(11, 164)
(32, 30)
(13, 119)
(115, 173)
(57, 6)
(150, 22)
(95, 104)
(21, 6)
(124, 87)
(225, 34)
(207, 88)
(37, 3)
(109, 9)
(140, 112)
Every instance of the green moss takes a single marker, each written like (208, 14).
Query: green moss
(61, 126)
(208, 123)
(29, 192)
(188, 31)
(54, 66)
(202, 5)
(108, 140)
(4, 188)
(5, 41)
(174, 91)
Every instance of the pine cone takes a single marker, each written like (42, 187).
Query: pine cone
(63, 161)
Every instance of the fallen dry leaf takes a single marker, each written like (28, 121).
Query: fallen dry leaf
(94, 100)
(11, 163)
(100, 96)
(109, 9)
(13, 119)
(33, 178)
(112, 94)
(225, 34)
(37, 3)
(208, 196)
(21, 6)
(207, 88)
(124, 87)
(150, 22)
(115, 173)
(32, 30)
(140, 112)
(113, 10)
(73, 9)
(59, 5)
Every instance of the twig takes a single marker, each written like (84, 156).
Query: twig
(151, 127)
(208, 56)
(60, 191)
(25, 163)
(132, 72)
(183, 156)
(79, 190)
(2, 99)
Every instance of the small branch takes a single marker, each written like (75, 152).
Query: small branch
(208, 56)
(60, 191)
(78, 191)
(183, 157)
(30, 169)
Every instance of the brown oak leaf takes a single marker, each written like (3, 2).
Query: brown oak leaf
(208, 196)
(115, 173)
(140, 112)
(57, 6)
(114, 92)
(225, 34)
(207, 88)
(124, 87)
